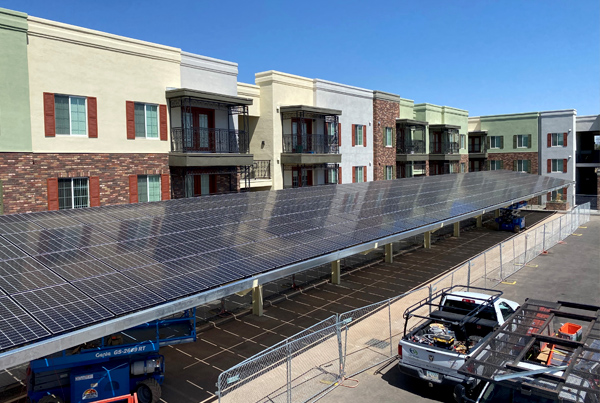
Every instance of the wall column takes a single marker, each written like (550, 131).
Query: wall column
(336, 270)
(457, 229)
(427, 240)
(479, 221)
(389, 253)
(257, 300)
(496, 213)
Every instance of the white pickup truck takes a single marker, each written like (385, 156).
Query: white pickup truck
(452, 328)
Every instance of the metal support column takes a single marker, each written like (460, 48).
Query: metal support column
(389, 253)
(257, 300)
(336, 269)
(479, 221)
(496, 213)
(457, 229)
(427, 240)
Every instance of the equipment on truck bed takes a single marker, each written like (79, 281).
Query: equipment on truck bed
(112, 366)
(510, 218)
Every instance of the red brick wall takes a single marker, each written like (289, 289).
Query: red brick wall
(384, 115)
(464, 159)
(24, 175)
(510, 158)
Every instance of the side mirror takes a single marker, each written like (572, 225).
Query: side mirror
(459, 393)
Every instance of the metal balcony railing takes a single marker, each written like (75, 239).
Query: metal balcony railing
(477, 148)
(207, 140)
(261, 169)
(411, 147)
(443, 147)
(588, 157)
(309, 144)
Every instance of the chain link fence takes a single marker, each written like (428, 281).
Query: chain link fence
(308, 364)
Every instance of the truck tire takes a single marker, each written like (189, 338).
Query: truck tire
(51, 399)
(148, 391)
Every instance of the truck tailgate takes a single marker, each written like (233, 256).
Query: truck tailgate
(433, 361)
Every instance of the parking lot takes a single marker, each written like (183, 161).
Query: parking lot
(192, 369)
(569, 272)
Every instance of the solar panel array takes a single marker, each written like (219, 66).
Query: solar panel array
(64, 270)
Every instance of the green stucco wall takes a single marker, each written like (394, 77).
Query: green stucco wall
(407, 109)
(15, 121)
(509, 125)
(437, 115)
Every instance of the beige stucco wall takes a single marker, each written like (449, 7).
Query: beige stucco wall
(475, 124)
(253, 92)
(70, 60)
(277, 89)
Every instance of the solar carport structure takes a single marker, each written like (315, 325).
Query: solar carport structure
(71, 276)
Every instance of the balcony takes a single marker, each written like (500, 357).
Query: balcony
(198, 146)
(444, 150)
(591, 157)
(309, 149)
(411, 150)
(477, 151)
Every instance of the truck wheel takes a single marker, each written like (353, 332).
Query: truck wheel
(516, 229)
(51, 399)
(148, 391)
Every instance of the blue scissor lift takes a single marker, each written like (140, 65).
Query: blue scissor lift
(510, 218)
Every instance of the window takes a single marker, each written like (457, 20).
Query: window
(462, 141)
(495, 142)
(558, 139)
(463, 167)
(332, 175)
(73, 193)
(70, 115)
(522, 140)
(522, 165)
(358, 135)
(495, 165)
(389, 172)
(146, 121)
(359, 174)
(557, 165)
(387, 137)
(148, 188)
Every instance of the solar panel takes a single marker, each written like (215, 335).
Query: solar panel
(16, 326)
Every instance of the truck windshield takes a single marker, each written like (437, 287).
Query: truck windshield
(463, 308)
(500, 394)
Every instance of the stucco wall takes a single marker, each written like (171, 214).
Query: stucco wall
(253, 92)
(70, 60)
(207, 74)
(509, 125)
(15, 123)
(356, 105)
(474, 123)
(588, 123)
(407, 107)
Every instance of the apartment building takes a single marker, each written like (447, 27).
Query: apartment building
(587, 156)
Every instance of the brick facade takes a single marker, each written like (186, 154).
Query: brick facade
(464, 159)
(384, 115)
(510, 158)
(24, 175)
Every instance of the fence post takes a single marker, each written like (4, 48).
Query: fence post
(390, 325)
(501, 261)
(514, 256)
(560, 229)
(289, 373)
(338, 328)
(484, 270)
(544, 239)
(430, 293)
(525, 257)
(469, 276)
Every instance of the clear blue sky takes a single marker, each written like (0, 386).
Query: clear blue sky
(489, 57)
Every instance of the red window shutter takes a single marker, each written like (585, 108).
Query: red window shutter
(549, 196)
(353, 136)
(565, 135)
(130, 112)
(94, 191)
(353, 174)
(340, 135)
(49, 121)
(165, 189)
(364, 136)
(549, 139)
(565, 165)
(92, 118)
(365, 173)
(133, 190)
(564, 196)
(212, 184)
(549, 166)
(52, 193)
(340, 175)
(163, 122)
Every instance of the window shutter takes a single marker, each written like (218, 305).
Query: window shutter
(565, 165)
(49, 121)
(364, 136)
(353, 136)
(163, 122)
(340, 175)
(489, 165)
(501, 142)
(52, 192)
(515, 165)
(489, 142)
(165, 192)
(133, 189)
(393, 137)
(340, 136)
(94, 191)
(549, 139)
(565, 135)
(515, 141)
(501, 164)
(212, 183)
(564, 194)
(528, 166)
(549, 166)
(529, 141)
(92, 118)
(549, 196)
(130, 112)
(353, 174)
(365, 173)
